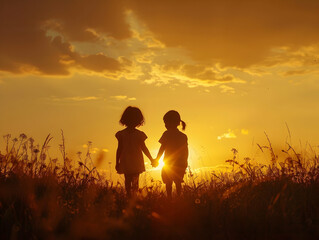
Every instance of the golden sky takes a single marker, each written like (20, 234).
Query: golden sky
(233, 69)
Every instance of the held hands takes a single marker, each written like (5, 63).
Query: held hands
(154, 162)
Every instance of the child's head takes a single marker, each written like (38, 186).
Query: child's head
(172, 119)
(132, 117)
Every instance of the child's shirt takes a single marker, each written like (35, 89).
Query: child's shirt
(131, 156)
(176, 149)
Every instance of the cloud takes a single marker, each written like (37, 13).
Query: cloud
(123, 97)
(75, 99)
(192, 74)
(295, 72)
(37, 38)
(229, 134)
(197, 43)
(232, 133)
(82, 98)
(234, 33)
(227, 89)
(99, 63)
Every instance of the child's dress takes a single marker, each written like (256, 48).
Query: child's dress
(175, 156)
(131, 156)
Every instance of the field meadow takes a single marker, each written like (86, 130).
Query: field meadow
(45, 198)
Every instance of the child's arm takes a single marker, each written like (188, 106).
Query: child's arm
(118, 153)
(160, 152)
(147, 152)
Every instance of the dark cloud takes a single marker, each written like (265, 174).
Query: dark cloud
(37, 35)
(99, 63)
(235, 33)
(26, 46)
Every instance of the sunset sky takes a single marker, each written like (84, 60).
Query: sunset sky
(232, 69)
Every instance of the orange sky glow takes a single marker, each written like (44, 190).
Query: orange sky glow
(232, 69)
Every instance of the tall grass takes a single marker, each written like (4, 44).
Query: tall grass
(44, 198)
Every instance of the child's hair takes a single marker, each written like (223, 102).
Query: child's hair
(132, 117)
(172, 117)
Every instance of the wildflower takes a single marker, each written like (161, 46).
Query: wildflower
(23, 136)
(7, 136)
(234, 150)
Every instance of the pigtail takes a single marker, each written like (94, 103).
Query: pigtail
(183, 125)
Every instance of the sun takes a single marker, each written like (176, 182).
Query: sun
(192, 155)
(160, 163)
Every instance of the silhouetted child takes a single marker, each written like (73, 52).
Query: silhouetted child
(131, 145)
(175, 149)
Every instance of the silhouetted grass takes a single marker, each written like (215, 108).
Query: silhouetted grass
(42, 199)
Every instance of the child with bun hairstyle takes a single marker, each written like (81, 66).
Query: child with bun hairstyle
(175, 148)
(131, 146)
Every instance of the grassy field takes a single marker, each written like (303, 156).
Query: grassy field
(44, 198)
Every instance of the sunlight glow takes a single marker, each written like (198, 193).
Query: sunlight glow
(160, 163)
(193, 156)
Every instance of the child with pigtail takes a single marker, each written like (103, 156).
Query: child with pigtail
(175, 148)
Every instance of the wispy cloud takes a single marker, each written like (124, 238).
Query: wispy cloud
(74, 99)
(295, 72)
(123, 98)
(79, 99)
(227, 89)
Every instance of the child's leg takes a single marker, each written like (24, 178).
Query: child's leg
(167, 180)
(178, 179)
(128, 184)
(169, 186)
(178, 185)
(135, 181)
